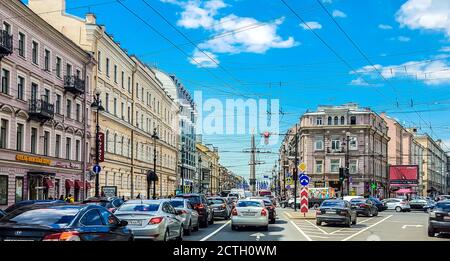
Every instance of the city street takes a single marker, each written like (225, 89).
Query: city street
(387, 226)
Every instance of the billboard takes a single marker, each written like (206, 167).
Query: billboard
(404, 174)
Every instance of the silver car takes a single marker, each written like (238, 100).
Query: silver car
(152, 219)
(189, 215)
(250, 213)
(397, 204)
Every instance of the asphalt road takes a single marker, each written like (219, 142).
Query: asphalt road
(387, 226)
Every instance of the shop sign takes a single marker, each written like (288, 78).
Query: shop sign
(33, 160)
(68, 165)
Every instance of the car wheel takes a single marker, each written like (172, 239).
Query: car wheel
(179, 238)
(197, 227)
(319, 223)
(212, 220)
(188, 231)
(398, 209)
(349, 222)
(234, 228)
(266, 228)
(431, 232)
(166, 236)
(408, 210)
(376, 213)
(354, 222)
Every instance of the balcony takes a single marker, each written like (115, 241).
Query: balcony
(6, 43)
(74, 84)
(41, 110)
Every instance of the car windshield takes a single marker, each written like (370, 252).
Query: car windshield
(443, 206)
(357, 200)
(244, 204)
(177, 203)
(333, 204)
(192, 199)
(217, 200)
(55, 217)
(267, 203)
(105, 204)
(139, 207)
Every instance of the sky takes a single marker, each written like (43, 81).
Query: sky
(389, 55)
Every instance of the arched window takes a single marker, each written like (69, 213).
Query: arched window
(329, 120)
(107, 140)
(115, 143)
(342, 120)
(353, 120)
(336, 120)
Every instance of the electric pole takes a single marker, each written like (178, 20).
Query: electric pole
(252, 165)
(295, 168)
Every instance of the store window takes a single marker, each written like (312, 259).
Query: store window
(19, 189)
(3, 190)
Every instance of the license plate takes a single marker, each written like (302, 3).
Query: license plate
(447, 218)
(135, 222)
(248, 213)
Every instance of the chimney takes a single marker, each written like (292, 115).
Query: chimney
(91, 18)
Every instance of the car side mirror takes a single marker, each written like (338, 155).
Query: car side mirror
(123, 223)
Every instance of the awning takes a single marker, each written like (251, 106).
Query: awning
(78, 184)
(405, 191)
(40, 173)
(69, 183)
(48, 183)
(88, 185)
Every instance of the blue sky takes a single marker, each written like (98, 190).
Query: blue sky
(264, 51)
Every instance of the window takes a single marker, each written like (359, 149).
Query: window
(35, 52)
(92, 218)
(77, 112)
(107, 102)
(115, 106)
(319, 121)
(68, 145)
(20, 85)
(3, 134)
(129, 111)
(57, 145)
(142, 121)
(137, 90)
(142, 93)
(58, 67)
(342, 120)
(68, 108)
(47, 95)
(353, 143)
(33, 140)
(7, 27)
(129, 84)
(22, 45)
(115, 73)
(99, 61)
(58, 104)
(318, 143)
(121, 146)
(319, 166)
(77, 150)
(353, 166)
(19, 189)
(335, 144)
(329, 120)
(78, 74)
(3, 190)
(107, 67)
(47, 60)
(115, 143)
(5, 81)
(68, 69)
(122, 110)
(334, 165)
(122, 80)
(19, 135)
(34, 90)
(353, 120)
(46, 142)
(336, 120)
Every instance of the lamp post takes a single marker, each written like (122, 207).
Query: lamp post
(97, 104)
(181, 165)
(200, 174)
(155, 137)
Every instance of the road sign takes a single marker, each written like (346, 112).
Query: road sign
(373, 185)
(289, 181)
(302, 166)
(304, 180)
(304, 200)
(101, 147)
(96, 169)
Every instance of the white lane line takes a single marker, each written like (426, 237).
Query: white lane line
(359, 232)
(323, 231)
(320, 237)
(216, 231)
(301, 231)
(341, 230)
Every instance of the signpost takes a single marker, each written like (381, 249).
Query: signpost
(96, 169)
(101, 147)
(304, 180)
(304, 201)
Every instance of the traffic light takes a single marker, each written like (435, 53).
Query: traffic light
(341, 174)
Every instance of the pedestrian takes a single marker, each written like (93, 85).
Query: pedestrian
(139, 196)
(61, 197)
(102, 194)
(50, 198)
(123, 198)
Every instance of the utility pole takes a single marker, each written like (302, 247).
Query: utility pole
(347, 170)
(253, 165)
(155, 137)
(295, 168)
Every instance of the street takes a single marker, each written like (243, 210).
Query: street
(387, 226)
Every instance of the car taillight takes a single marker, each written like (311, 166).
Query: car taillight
(363, 205)
(199, 206)
(155, 220)
(234, 212)
(263, 212)
(184, 211)
(342, 213)
(64, 236)
(318, 212)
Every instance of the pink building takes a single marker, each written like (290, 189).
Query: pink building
(44, 109)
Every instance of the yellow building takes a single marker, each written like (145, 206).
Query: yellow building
(209, 169)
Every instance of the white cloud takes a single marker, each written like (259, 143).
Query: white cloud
(337, 13)
(401, 38)
(359, 82)
(202, 59)
(385, 27)
(445, 49)
(430, 72)
(425, 14)
(311, 25)
(327, 1)
(198, 14)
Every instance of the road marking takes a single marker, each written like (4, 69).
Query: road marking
(359, 232)
(323, 231)
(320, 236)
(216, 231)
(258, 235)
(301, 232)
(287, 214)
(405, 226)
(341, 230)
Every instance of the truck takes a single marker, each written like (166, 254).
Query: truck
(315, 197)
(240, 192)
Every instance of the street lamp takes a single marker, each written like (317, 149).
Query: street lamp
(97, 104)
(155, 137)
(200, 174)
(181, 165)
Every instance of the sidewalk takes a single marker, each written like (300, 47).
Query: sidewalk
(298, 215)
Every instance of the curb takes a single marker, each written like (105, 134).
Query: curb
(301, 215)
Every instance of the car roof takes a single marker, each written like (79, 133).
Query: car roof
(189, 195)
(146, 201)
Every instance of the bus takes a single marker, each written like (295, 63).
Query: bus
(263, 193)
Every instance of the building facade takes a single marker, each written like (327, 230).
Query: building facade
(45, 114)
(208, 167)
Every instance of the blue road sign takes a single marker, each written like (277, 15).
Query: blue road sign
(96, 169)
(304, 180)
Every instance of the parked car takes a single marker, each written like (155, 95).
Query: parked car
(270, 207)
(190, 216)
(152, 219)
(336, 211)
(443, 197)
(232, 201)
(220, 207)
(63, 222)
(111, 203)
(250, 213)
(439, 218)
(30, 202)
(200, 203)
(364, 206)
(397, 204)
(2, 213)
(378, 203)
(418, 204)
(430, 205)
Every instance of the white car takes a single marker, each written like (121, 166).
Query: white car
(250, 212)
(397, 204)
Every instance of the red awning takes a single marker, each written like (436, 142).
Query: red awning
(69, 183)
(88, 185)
(405, 190)
(48, 183)
(78, 184)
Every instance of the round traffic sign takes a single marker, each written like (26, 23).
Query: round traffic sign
(96, 169)
(304, 180)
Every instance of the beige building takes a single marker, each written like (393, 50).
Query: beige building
(135, 104)
(209, 169)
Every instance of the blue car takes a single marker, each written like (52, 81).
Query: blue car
(63, 222)
(380, 205)
(31, 202)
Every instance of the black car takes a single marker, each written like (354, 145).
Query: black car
(336, 211)
(380, 205)
(418, 204)
(112, 204)
(31, 202)
(63, 222)
(220, 207)
(2, 213)
(439, 218)
(203, 207)
(364, 206)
